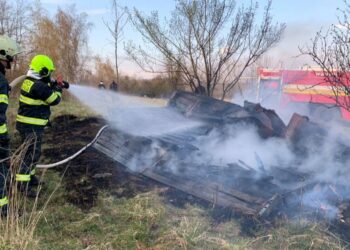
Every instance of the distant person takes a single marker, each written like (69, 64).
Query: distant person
(101, 85)
(113, 86)
(38, 93)
(8, 50)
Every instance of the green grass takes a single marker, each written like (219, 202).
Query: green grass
(113, 223)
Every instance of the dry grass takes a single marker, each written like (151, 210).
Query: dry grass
(157, 102)
(192, 227)
(298, 235)
(23, 214)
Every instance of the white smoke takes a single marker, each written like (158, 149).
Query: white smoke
(232, 144)
(243, 144)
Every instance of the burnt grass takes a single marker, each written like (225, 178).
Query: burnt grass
(92, 172)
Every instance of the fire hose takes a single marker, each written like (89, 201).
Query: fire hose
(17, 80)
(52, 165)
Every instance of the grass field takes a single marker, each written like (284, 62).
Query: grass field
(148, 220)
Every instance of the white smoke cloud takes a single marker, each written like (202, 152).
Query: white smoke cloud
(326, 163)
(243, 144)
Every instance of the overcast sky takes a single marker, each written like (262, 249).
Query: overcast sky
(302, 17)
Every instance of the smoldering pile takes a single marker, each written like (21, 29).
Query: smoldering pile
(245, 157)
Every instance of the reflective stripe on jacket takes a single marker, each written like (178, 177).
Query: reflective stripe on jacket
(4, 201)
(4, 100)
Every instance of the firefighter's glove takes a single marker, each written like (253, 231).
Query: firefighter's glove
(64, 85)
(59, 84)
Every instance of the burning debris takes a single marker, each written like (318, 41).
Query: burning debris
(244, 158)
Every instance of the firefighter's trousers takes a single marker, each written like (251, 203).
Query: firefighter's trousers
(4, 169)
(33, 140)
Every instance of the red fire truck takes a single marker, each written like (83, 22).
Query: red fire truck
(304, 90)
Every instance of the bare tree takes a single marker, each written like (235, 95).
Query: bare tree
(6, 20)
(174, 75)
(120, 19)
(63, 38)
(211, 42)
(103, 69)
(330, 50)
(14, 23)
(20, 20)
(13, 19)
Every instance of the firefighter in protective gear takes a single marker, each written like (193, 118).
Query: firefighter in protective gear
(8, 50)
(38, 93)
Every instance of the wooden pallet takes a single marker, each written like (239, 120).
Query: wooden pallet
(124, 149)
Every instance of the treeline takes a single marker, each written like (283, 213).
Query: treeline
(64, 37)
(159, 86)
(206, 46)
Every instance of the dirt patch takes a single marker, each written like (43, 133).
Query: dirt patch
(92, 171)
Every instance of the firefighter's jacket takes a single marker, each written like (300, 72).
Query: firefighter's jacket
(4, 100)
(37, 95)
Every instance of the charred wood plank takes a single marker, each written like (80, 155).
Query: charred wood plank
(244, 197)
(211, 193)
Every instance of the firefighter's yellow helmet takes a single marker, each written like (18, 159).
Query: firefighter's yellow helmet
(42, 64)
